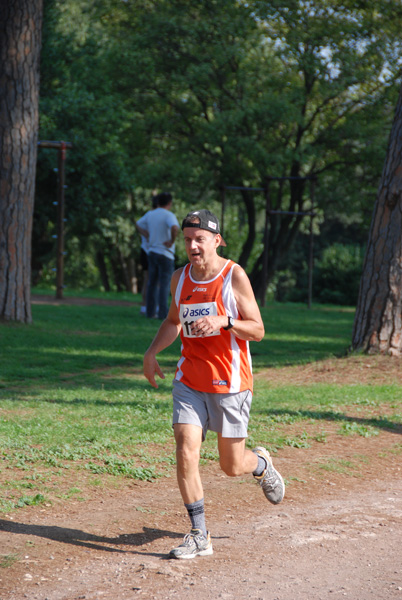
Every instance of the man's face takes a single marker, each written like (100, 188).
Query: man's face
(200, 245)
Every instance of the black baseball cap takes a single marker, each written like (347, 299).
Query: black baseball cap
(207, 220)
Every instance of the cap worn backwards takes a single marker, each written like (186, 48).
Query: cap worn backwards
(203, 219)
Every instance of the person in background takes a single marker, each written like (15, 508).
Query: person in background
(144, 259)
(160, 227)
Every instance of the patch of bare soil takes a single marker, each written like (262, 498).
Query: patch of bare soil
(359, 369)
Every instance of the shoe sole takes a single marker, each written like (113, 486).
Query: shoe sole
(206, 552)
(284, 488)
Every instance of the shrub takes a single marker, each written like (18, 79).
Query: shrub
(337, 275)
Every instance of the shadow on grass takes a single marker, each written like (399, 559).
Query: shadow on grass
(133, 392)
(283, 354)
(77, 537)
(379, 423)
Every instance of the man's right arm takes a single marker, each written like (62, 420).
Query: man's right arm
(166, 335)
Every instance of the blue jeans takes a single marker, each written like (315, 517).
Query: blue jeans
(160, 270)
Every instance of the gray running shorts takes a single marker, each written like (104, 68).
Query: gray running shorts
(227, 414)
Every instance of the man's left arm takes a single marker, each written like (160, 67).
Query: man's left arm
(250, 327)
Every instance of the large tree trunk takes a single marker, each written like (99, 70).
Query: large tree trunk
(378, 321)
(20, 40)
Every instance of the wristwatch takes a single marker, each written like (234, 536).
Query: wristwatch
(230, 323)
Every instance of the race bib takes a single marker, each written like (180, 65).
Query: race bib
(191, 312)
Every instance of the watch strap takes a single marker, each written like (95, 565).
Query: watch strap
(230, 324)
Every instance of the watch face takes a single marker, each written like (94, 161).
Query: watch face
(230, 323)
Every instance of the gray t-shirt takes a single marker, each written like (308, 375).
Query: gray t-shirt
(159, 223)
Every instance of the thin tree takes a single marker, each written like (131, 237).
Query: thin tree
(378, 320)
(20, 41)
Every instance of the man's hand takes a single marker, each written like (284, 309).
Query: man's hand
(208, 325)
(151, 368)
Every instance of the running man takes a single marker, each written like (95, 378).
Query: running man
(215, 312)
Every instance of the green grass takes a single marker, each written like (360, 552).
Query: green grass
(76, 413)
(297, 335)
(7, 560)
(351, 468)
(73, 340)
(275, 410)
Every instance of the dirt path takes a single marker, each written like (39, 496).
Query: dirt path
(336, 536)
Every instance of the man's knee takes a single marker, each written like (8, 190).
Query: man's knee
(186, 452)
(188, 445)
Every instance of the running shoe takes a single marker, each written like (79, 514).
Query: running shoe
(270, 480)
(194, 544)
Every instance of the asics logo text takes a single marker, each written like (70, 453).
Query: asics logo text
(196, 312)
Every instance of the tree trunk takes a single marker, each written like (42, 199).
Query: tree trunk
(378, 320)
(248, 244)
(132, 272)
(100, 261)
(20, 40)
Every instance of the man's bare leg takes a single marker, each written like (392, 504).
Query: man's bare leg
(235, 459)
(188, 446)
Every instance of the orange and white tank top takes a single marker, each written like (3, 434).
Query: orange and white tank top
(220, 362)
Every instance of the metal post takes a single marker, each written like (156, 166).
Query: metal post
(60, 222)
(264, 282)
(311, 248)
(61, 147)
